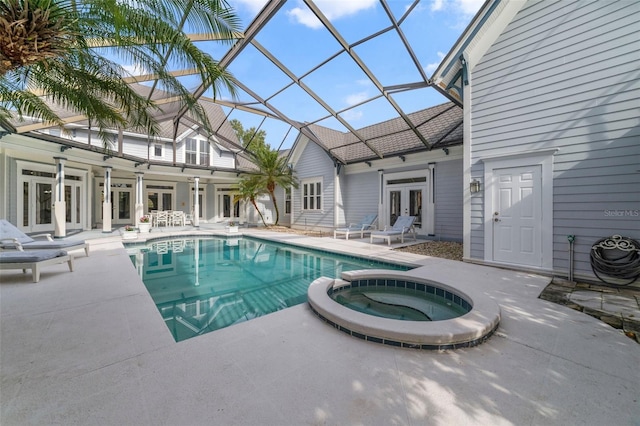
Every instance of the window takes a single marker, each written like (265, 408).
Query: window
(204, 153)
(157, 150)
(287, 201)
(191, 151)
(196, 152)
(312, 195)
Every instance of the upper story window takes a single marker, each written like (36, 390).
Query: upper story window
(191, 151)
(204, 153)
(312, 194)
(157, 150)
(196, 152)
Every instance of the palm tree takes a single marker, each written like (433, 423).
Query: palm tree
(248, 190)
(71, 50)
(273, 170)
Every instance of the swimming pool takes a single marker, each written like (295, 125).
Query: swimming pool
(204, 284)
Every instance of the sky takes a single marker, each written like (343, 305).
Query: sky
(299, 41)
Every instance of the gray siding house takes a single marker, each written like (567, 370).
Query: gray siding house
(143, 175)
(550, 92)
(393, 172)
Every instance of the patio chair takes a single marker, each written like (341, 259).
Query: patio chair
(365, 226)
(34, 260)
(176, 218)
(13, 238)
(162, 218)
(403, 225)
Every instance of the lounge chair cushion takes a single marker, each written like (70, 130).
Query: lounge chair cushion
(30, 256)
(12, 238)
(7, 230)
(48, 245)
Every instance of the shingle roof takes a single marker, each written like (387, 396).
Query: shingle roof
(440, 126)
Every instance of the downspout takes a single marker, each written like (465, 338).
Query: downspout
(571, 239)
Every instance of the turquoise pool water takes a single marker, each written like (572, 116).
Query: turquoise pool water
(204, 284)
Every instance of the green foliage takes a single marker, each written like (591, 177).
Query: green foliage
(248, 190)
(84, 74)
(273, 171)
(252, 139)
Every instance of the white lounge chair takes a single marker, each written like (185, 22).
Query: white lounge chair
(403, 225)
(13, 238)
(34, 260)
(365, 226)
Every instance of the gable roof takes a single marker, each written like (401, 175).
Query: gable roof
(440, 126)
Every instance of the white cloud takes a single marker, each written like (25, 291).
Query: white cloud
(430, 68)
(437, 5)
(356, 98)
(469, 7)
(333, 9)
(305, 17)
(133, 70)
(463, 7)
(352, 115)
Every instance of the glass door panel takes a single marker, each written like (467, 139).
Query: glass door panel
(167, 201)
(152, 201)
(67, 203)
(25, 204)
(395, 206)
(78, 204)
(415, 206)
(226, 206)
(43, 203)
(124, 205)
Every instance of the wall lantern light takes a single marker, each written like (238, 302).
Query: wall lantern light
(474, 186)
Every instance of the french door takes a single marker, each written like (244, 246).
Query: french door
(227, 209)
(73, 202)
(37, 204)
(406, 200)
(159, 197)
(35, 207)
(122, 203)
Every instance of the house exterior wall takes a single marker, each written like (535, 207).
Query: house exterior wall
(314, 164)
(222, 159)
(361, 195)
(564, 75)
(448, 200)
(210, 202)
(362, 189)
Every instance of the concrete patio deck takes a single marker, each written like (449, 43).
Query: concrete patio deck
(89, 347)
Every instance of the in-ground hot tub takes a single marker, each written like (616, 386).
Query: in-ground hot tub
(477, 315)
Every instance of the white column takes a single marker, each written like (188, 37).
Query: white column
(382, 221)
(139, 207)
(59, 203)
(466, 166)
(196, 201)
(430, 207)
(339, 217)
(106, 202)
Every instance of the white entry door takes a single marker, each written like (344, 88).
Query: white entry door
(517, 215)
